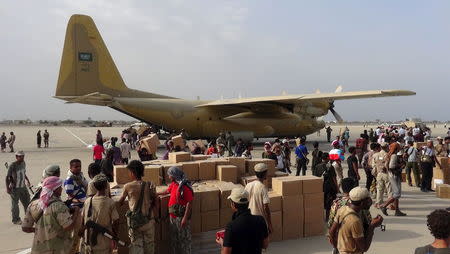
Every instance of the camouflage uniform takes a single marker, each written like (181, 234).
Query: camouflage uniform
(142, 239)
(180, 236)
(343, 201)
(50, 236)
(383, 183)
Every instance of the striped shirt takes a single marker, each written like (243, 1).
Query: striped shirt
(73, 188)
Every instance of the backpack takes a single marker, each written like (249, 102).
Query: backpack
(135, 218)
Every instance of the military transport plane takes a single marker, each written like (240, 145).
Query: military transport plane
(88, 75)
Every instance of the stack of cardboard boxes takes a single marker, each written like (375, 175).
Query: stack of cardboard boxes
(441, 175)
(302, 205)
(443, 191)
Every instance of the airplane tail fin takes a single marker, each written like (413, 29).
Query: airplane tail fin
(87, 69)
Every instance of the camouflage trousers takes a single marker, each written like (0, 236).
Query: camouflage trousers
(143, 239)
(180, 237)
(16, 195)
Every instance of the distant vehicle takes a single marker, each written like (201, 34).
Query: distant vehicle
(89, 75)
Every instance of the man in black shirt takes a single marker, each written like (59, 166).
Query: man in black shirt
(352, 162)
(246, 233)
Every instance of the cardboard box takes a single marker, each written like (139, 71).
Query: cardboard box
(121, 175)
(178, 141)
(196, 223)
(288, 185)
(209, 198)
(206, 170)
(443, 191)
(293, 217)
(227, 173)
(198, 157)
(225, 216)
(314, 229)
(177, 157)
(277, 225)
(166, 167)
(210, 220)
(151, 143)
(311, 184)
(313, 200)
(314, 215)
(220, 161)
(190, 169)
(239, 162)
(442, 173)
(152, 173)
(276, 203)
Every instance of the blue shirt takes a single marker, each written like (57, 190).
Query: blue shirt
(300, 151)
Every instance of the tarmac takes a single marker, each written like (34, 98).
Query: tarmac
(402, 235)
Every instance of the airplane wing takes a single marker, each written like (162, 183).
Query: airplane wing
(295, 99)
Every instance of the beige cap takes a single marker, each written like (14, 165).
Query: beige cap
(239, 196)
(260, 167)
(439, 138)
(358, 194)
(384, 144)
(20, 153)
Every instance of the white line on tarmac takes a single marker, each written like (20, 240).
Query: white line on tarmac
(25, 251)
(76, 136)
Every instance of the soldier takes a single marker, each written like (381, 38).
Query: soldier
(180, 208)
(102, 210)
(52, 219)
(3, 142)
(141, 196)
(51, 170)
(46, 138)
(379, 165)
(16, 186)
(11, 140)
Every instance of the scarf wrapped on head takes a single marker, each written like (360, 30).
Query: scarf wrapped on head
(49, 185)
(179, 177)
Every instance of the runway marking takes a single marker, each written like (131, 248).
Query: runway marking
(76, 136)
(25, 251)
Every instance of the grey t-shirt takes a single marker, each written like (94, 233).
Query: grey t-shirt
(431, 250)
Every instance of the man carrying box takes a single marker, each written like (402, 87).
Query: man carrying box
(246, 233)
(259, 195)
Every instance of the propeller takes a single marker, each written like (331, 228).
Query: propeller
(335, 114)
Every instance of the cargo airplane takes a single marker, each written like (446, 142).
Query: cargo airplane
(88, 75)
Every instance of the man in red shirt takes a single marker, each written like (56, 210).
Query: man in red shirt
(98, 150)
(180, 207)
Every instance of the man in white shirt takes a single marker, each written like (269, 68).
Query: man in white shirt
(125, 150)
(259, 195)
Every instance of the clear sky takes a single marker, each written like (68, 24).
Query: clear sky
(215, 49)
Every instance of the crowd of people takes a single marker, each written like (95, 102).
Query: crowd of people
(78, 224)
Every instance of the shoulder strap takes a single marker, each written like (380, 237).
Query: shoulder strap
(141, 198)
(345, 216)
